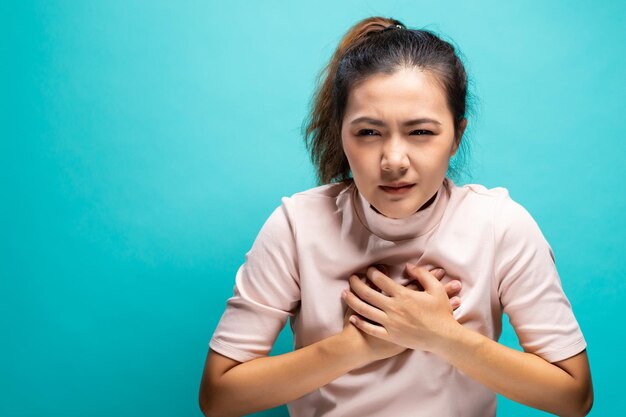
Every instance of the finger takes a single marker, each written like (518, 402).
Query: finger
(362, 308)
(382, 281)
(367, 293)
(369, 328)
(430, 283)
(382, 268)
(453, 288)
(438, 273)
(455, 302)
(414, 286)
(370, 284)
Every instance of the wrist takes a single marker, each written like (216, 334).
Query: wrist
(449, 337)
(347, 349)
(457, 341)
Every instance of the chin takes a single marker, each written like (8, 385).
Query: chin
(396, 212)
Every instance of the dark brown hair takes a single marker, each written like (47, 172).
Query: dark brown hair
(377, 45)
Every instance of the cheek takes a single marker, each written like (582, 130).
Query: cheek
(434, 158)
(357, 156)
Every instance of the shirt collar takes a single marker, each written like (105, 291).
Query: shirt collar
(413, 226)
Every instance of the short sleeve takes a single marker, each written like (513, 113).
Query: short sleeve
(529, 286)
(265, 294)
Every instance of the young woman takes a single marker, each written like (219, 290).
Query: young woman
(367, 266)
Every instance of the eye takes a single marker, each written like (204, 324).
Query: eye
(366, 132)
(421, 132)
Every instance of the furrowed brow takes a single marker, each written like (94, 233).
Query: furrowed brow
(411, 122)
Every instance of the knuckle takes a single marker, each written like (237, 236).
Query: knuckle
(351, 301)
(357, 309)
(364, 295)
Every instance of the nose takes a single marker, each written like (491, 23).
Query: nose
(394, 158)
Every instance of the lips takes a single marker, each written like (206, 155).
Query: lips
(398, 184)
(397, 188)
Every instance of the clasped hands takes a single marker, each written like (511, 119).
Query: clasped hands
(405, 315)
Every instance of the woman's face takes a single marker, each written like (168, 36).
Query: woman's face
(398, 136)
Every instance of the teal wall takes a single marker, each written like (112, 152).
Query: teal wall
(144, 143)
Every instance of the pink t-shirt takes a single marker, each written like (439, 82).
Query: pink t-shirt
(310, 245)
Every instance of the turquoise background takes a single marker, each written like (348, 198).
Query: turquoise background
(144, 143)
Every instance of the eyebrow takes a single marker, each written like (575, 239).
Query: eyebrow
(407, 123)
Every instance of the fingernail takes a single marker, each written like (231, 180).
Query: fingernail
(439, 272)
(456, 285)
(410, 265)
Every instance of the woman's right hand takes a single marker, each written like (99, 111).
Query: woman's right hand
(374, 348)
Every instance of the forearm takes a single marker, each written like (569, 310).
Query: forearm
(270, 381)
(520, 376)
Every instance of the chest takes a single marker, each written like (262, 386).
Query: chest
(326, 268)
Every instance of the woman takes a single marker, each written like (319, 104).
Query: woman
(389, 340)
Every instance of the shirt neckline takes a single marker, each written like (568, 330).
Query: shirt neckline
(413, 226)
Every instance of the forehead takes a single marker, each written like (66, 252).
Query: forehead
(406, 92)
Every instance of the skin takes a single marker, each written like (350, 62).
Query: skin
(380, 348)
(418, 153)
(389, 151)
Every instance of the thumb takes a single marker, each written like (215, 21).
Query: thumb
(430, 283)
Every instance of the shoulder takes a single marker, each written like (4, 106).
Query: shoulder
(320, 200)
(496, 210)
(477, 193)
(474, 204)
(308, 207)
(495, 202)
(512, 225)
(323, 192)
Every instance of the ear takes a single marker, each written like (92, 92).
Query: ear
(459, 136)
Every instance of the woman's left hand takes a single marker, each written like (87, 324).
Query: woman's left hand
(420, 320)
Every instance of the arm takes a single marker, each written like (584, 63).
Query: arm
(231, 388)
(424, 321)
(563, 388)
(239, 377)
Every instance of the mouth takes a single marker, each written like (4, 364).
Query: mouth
(398, 188)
